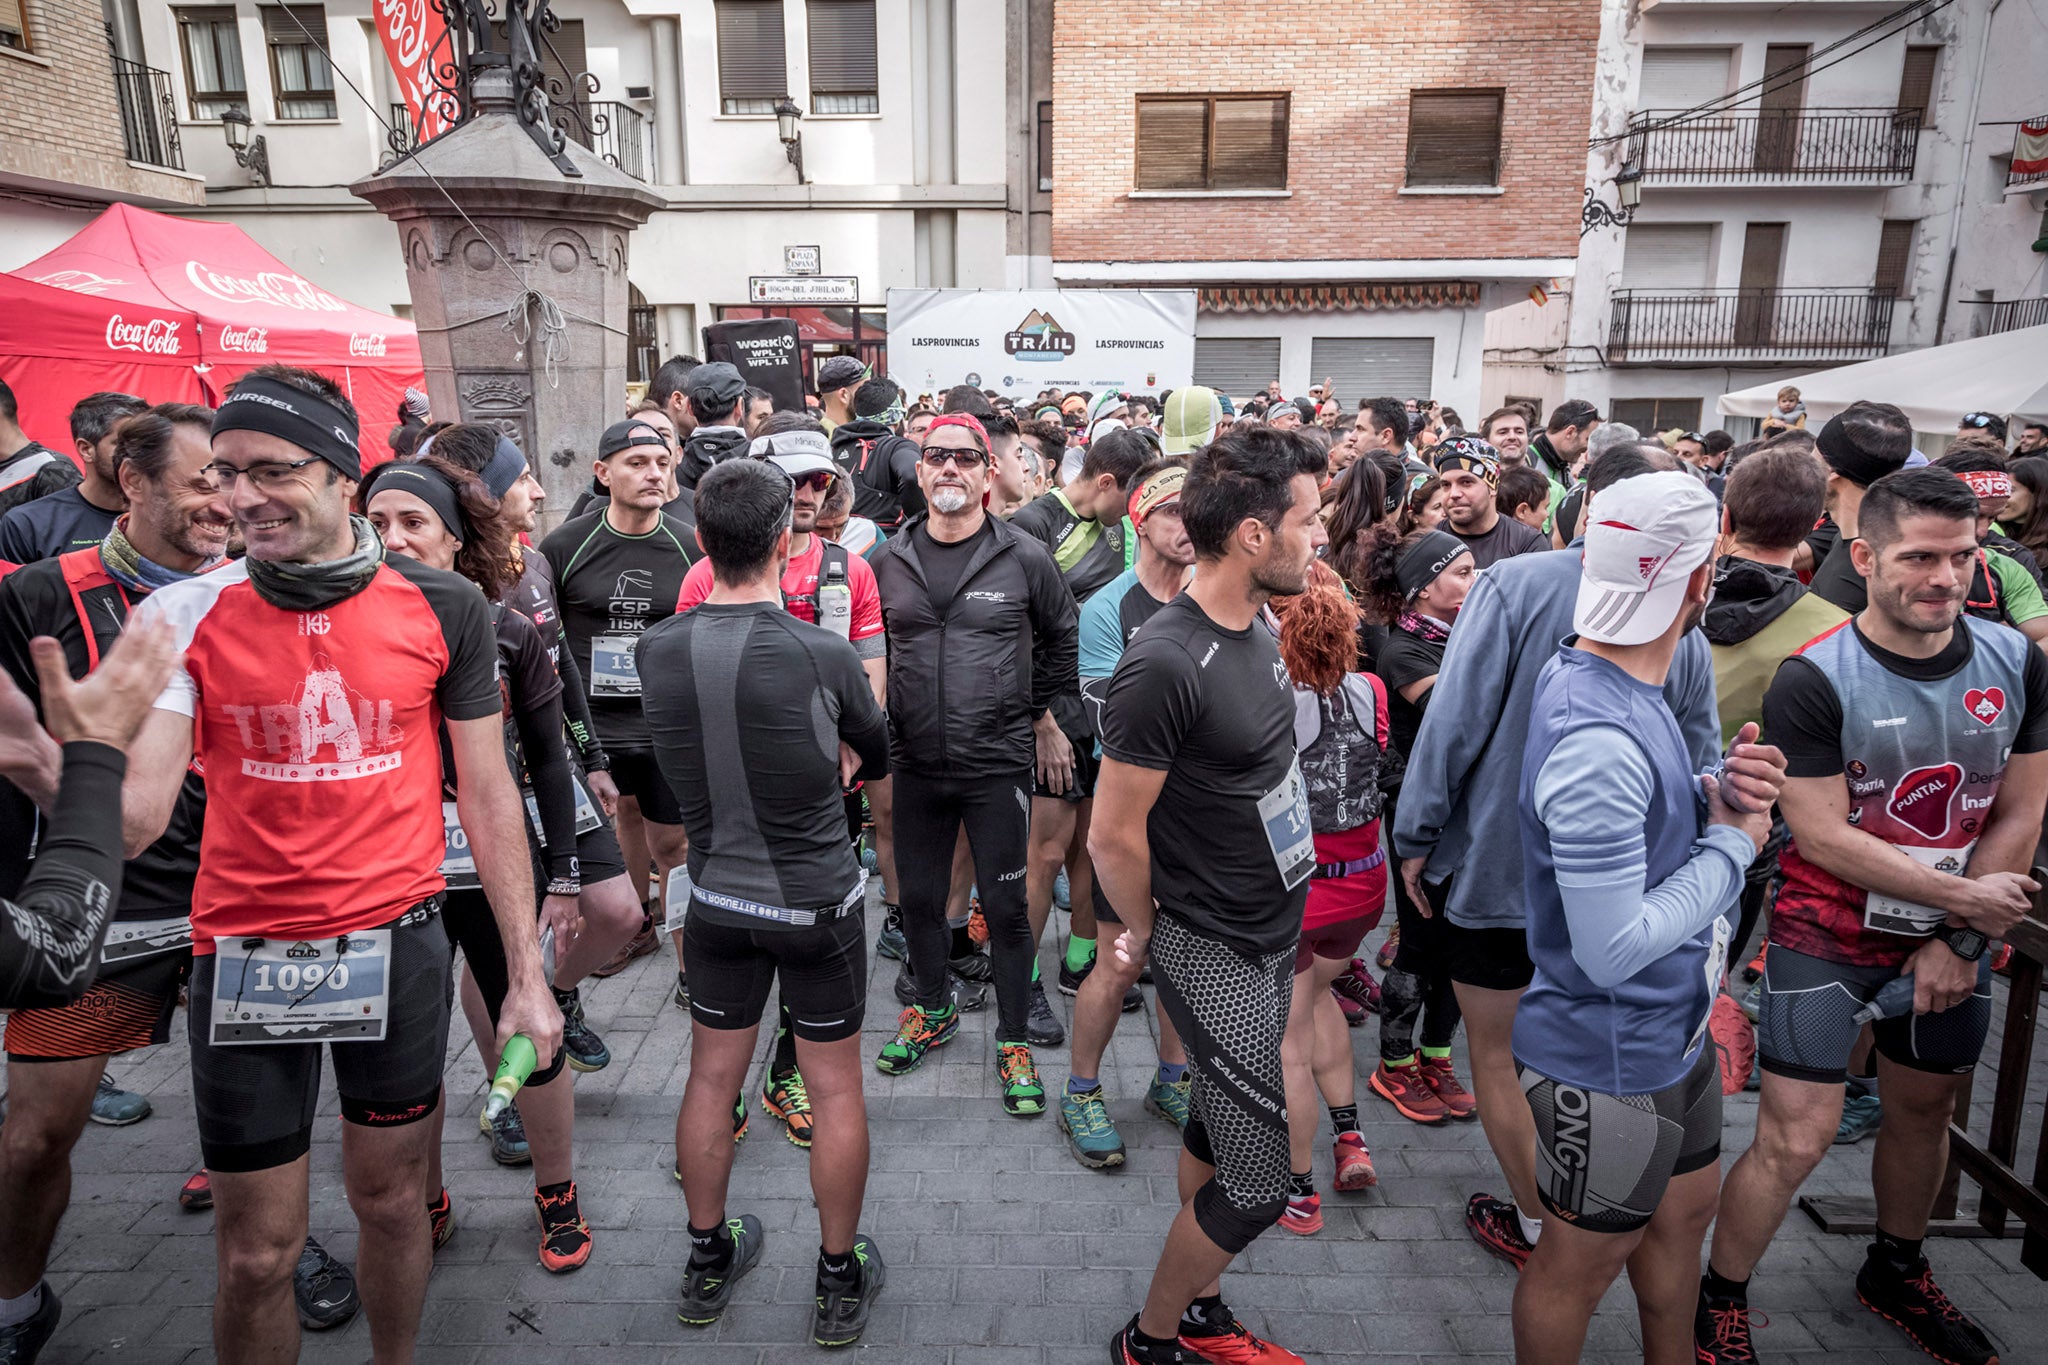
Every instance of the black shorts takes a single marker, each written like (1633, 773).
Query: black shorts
(470, 925)
(1603, 1161)
(636, 774)
(1491, 959)
(255, 1102)
(598, 858)
(1806, 1027)
(1087, 768)
(128, 1006)
(823, 971)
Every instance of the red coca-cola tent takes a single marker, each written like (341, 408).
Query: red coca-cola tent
(175, 309)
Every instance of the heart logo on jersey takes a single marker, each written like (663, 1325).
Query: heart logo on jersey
(1924, 797)
(1985, 704)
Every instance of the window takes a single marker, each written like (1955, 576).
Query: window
(1453, 138)
(842, 38)
(13, 26)
(213, 61)
(1212, 142)
(1894, 257)
(1916, 83)
(753, 68)
(1241, 366)
(297, 38)
(1364, 367)
(1656, 414)
(1667, 256)
(1045, 146)
(1683, 77)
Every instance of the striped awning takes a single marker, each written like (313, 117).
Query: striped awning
(1340, 298)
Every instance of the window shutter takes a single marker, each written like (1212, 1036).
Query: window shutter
(1894, 256)
(1250, 145)
(1366, 367)
(1667, 256)
(1916, 81)
(842, 46)
(1454, 137)
(1238, 366)
(1171, 138)
(13, 27)
(1683, 77)
(752, 64)
(1045, 145)
(281, 24)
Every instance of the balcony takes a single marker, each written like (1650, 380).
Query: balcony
(1776, 147)
(617, 132)
(2029, 155)
(1719, 326)
(149, 115)
(2009, 315)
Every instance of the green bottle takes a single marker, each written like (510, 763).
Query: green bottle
(514, 1066)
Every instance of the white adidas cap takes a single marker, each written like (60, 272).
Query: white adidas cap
(1644, 537)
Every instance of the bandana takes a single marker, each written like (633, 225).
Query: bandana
(1988, 483)
(1419, 564)
(1155, 491)
(1422, 627)
(1470, 454)
(505, 466)
(126, 566)
(791, 443)
(430, 486)
(289, 413)
(314, 587)
(961, 419)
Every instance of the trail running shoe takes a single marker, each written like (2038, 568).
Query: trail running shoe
(324, 1288)
(1359, 988)
(1861, 1115)
(1304, 1214)
(1124, 1350)
(739, 1120)
(1070, 980)
(1495, 1226)
(682, 993)
(1408, 1090)
(196, 1195)
(1914, 1304)
(564, 1237)
(1354, 1164)
(706, 1291)
(1043, 1028)
(1023, 1092)
(508, 1137)
(115, 1107)
(1385, 956)
(1169, 1099)
(974, 966)
(1091, 1135)
(20, 1343)
(1353, 1012)
(1753, 1001)
(584, 1050)
(843, 1304)
(967, 996)
(1234, 1345)
(640, 945)
(1720, 1333)
(1443, 1082)
(784, 1097)
(441, 1218)
(1133, 1001)
(890, 942)
(916, 1034)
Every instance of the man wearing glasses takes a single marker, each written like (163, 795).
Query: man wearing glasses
(983, 634)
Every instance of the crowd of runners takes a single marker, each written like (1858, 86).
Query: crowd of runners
(1664, 759)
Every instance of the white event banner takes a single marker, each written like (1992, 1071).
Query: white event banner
(1020, 341)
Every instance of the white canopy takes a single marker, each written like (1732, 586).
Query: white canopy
(2005, 374)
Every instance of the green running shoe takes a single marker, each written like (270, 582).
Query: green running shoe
(1084, 1118)
(1023, 1092)
(843, 1304)
(1169, 1100)
(707, 1291)
(916, 1034)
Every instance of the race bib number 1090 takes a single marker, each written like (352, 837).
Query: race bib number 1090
(329, 989)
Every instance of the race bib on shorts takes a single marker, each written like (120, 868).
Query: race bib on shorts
(146, 938)
(586, 812)
(1890, 915)
(331, 989)
(613, 672)
(676, 899)
(1284, 812)
(1717, 965)
(458, 862)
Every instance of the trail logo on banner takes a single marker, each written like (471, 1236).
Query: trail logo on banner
(1039, 337)
(415, 38)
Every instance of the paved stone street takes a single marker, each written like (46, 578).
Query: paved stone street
(1000, 1247)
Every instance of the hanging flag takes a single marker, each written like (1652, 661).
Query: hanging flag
(1538, 295)
(416, 40)
(2030, 148)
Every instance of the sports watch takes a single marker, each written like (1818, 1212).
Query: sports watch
(1964, 942)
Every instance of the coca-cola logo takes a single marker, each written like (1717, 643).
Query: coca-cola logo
(269, 287)
(153, 337)
(1924, 798)
(366, 343)
(250, 340)
(79, 281)
(414, 36)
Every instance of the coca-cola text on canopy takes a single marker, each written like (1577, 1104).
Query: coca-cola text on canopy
(155, 336)
(271, 287)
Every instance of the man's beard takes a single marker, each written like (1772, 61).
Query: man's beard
(1272, 577)
(949, 499)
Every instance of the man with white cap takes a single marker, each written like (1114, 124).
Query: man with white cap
(1632, 882)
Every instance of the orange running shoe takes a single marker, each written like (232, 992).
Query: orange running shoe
(977, 923)
(1354, 1164)
(1235, 1345)
(564, 1236)
(1409, 1091)
(441, 1218)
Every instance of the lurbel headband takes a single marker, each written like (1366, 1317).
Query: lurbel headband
(289, 413)
(430, 486)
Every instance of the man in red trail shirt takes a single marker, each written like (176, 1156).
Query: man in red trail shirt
(316, 676)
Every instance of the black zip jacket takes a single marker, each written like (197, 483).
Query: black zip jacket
(883, 467)
(1748, 596)
(968, 676)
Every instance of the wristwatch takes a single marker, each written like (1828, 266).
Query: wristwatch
(1965, 943)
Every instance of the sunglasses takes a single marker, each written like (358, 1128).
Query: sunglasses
(965, 459)
(817, 480)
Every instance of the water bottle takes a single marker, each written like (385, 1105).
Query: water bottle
(835, 602)
(1889, 1003)
(514, 1066)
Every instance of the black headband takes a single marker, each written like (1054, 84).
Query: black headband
(430, 486)
(506, 464)
(1420, 563)
(306, 420)
(1846, 458)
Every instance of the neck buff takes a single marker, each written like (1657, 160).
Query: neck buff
(310, 587)
(1419, 564)
(1422, 627)
(126, 566)
(288, 412)
(430, 486)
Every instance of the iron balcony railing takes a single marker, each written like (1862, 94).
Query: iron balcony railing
(1666, 326)
(617, 132)
(1775, 146)
(2029, 153)
(149, 115)
(2009, 315)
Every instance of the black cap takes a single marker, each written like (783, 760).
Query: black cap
(631, 432)
(839, 371)
(716, 386)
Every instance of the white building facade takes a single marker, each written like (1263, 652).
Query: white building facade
(903, 145)
(1846, 193)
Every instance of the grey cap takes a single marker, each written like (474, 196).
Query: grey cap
(716, 386)
(839, 371)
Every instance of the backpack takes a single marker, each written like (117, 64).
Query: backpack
(1342, 741)
(875, 495)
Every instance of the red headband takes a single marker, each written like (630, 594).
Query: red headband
(961, 419)
(1988, 483)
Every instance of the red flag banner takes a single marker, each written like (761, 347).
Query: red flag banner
(415, 38)
(2030, 148)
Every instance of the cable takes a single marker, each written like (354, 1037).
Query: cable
(1772, 81)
